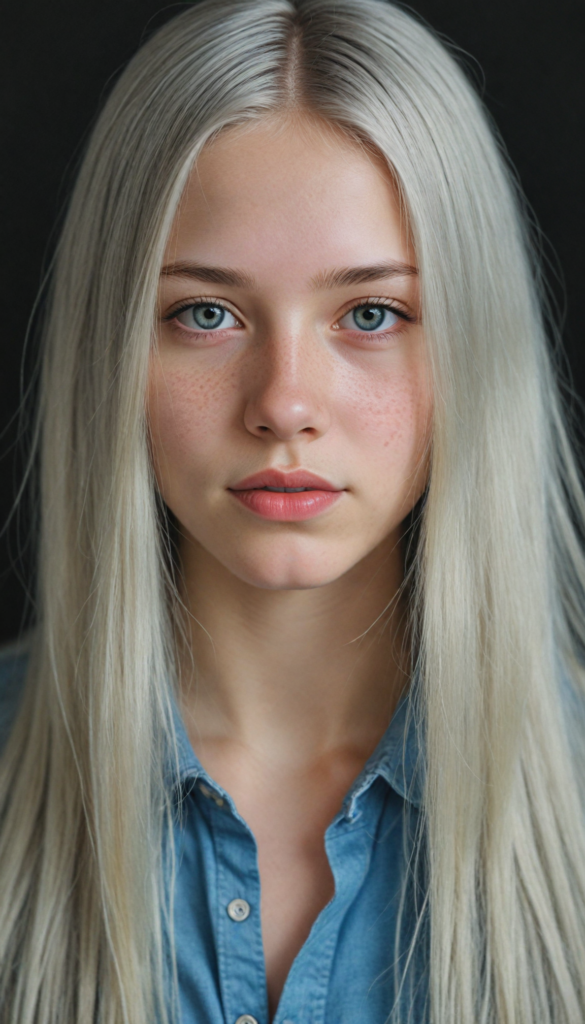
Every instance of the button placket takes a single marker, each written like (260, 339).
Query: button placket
(240, 948)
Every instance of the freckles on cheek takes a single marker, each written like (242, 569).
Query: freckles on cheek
(186, 407)
(394, 415)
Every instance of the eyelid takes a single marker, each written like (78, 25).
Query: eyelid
(394, 305)
(199, 301)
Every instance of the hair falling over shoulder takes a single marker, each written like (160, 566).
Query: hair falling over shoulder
(498, 578)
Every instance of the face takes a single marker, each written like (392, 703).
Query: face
(290, 355)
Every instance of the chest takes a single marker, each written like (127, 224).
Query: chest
(296, 879)
(288, 814)
(296, 951)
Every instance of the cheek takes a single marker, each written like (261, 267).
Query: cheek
(391, 417)
(186, 414)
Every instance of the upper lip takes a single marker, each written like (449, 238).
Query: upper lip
(275, 478)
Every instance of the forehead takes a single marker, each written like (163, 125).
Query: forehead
(272, 194)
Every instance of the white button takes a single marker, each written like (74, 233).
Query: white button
(211, 795)
(238, 910)
(246, 1018)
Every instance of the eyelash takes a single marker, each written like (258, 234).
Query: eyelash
(200, 301)
(382, 304)
(373, 301)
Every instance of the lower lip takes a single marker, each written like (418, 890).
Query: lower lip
(287, 507)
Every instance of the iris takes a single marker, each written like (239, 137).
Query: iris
(369, 318)
(206, 316)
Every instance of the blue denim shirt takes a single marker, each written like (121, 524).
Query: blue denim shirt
(344, 973)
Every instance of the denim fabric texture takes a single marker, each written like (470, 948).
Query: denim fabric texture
(344, 973)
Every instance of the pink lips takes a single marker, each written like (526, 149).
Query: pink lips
(318, 495)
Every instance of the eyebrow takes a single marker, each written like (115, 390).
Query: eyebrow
(330, 279)
(360, 275)
(214, 275)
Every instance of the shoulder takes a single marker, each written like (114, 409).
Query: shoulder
(13, 665)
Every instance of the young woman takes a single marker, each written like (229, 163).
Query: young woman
(297, 736)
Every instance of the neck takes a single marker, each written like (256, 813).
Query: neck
(296, 673)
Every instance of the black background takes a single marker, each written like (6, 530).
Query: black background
(58, 60)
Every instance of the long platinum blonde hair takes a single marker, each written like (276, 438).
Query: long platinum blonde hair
(499, 596)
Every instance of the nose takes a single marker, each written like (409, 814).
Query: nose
(286, 396)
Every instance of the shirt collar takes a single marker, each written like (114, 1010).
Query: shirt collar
(398, 758)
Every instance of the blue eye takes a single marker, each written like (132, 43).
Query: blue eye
(206, 316)
(370, 318)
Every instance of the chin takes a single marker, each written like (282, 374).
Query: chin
(283, 571)
(296, 582)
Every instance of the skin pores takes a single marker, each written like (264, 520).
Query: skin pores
(293, 377)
